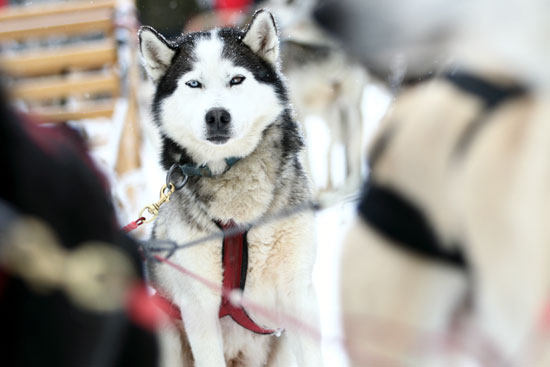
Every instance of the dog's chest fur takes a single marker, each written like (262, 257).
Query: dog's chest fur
(259, 184)
(243, 193)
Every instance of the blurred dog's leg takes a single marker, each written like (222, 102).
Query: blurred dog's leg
(353, 142)
(395, 304)
(504, 198)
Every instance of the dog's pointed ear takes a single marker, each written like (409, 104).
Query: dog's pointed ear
(261, 36)
(156, 52)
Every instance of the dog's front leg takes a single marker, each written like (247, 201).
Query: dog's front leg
(304, 334)
(203, 330)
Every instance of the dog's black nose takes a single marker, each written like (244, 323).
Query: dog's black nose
(217, 118)
(217, 125)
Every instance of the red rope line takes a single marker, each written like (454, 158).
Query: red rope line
(239, 300)
(545, 320)
(482, 348)
(133, 225)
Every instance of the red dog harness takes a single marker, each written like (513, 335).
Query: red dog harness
(235, 266)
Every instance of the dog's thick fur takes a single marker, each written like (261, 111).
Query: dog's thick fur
(492, 199)
(268, 177)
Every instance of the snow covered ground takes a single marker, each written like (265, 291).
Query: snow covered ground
(332, 223)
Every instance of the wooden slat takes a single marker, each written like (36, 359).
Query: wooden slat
(129, 146)
(87, 110)
(65, 24)
(30, 11)
(92, 55)
(57, 87)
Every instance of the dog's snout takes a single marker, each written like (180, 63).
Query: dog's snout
(217, 117)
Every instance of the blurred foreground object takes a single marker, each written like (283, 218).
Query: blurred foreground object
(67, 272)
(449, 262)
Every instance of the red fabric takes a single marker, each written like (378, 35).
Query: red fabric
(545, 323)
(233, 249)
(142, 308)
(57, 139)
(232, 4)
(168, 307)
(133, 225)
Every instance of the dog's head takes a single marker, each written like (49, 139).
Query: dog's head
(216, 91)
(413, 38)
(392, 36)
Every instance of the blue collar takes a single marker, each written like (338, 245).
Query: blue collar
(204, 171)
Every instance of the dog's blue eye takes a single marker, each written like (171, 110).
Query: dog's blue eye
(236, 80)
(193, 84)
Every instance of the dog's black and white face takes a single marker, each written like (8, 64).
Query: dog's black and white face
(217, 91)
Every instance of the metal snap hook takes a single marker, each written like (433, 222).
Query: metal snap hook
(169, 177)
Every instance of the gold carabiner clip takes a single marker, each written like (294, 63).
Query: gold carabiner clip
(165, 192)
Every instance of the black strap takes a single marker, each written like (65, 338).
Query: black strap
(490, 93)
(400, 220)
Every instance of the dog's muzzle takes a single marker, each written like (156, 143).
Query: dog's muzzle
(218, 125)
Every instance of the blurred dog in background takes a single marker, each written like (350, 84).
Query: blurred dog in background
(449, 262)
(323, 81)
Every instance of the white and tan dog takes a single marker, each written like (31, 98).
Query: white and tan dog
(220, 99)
(453, 241)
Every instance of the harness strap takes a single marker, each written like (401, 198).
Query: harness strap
(235, 266)
(491, 94)
(398, 218)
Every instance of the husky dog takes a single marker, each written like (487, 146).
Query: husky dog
(323, 81)
(220, 96)
(453, 238)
